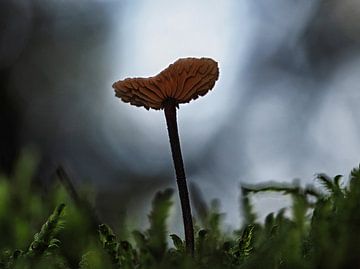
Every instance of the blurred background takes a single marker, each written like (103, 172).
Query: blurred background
(286, 104)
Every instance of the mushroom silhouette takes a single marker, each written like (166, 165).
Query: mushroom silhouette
(184, 80)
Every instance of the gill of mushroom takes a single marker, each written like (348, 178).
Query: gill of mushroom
(183, 81)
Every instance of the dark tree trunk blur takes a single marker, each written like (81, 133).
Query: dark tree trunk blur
(9, 124)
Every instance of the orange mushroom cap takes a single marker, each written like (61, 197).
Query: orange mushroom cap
(184, 80)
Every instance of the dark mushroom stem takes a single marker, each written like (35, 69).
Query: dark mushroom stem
(170, 115)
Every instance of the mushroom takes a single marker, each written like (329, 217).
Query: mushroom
(184, 80)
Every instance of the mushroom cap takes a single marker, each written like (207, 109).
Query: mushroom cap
(184, 80)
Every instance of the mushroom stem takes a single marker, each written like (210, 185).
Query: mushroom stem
(170, 115)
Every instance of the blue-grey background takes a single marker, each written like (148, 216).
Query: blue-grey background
(286, 104)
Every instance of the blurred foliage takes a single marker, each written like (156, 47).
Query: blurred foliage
(52, 230)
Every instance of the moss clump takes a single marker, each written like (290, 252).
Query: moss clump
(322, 231)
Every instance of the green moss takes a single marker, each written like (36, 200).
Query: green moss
(322, 231)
